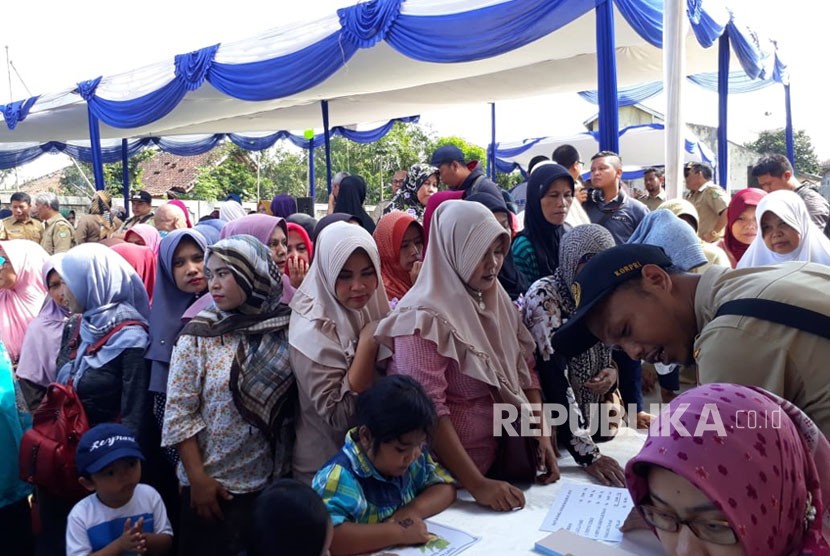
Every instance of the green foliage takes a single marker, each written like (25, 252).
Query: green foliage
(236, 173)
(509, 181)
(773, 141)
(471, 151)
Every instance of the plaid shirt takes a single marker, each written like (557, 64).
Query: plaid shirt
(354, 491)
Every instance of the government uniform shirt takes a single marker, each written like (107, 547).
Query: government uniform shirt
(58, 235)
(710, 200)
(132, 221)
(30, 229)
(653, 203)
(744, 350)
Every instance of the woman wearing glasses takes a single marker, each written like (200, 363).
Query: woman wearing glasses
(736, 470)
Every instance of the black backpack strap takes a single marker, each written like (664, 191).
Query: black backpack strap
(779, 313)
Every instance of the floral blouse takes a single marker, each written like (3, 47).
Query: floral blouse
(200, 404)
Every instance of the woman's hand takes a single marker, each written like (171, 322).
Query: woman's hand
(546, 461)
(416, 270)
(297, 269)
(607, 471)
(603, 381)
(498, 495)
(205, 494)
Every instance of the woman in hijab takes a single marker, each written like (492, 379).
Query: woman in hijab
(687, 212)
(400, 242)
(741, 227)
(273, 233)
(736, 470)
(307, 222)
(434, 202)
(100, 223)
(511, 279)
(230, 211)
(458, 334)
(786, 233)
(111, 382)
(330, 219)
(583, 384)
(300, 253)
(350, 200)
(550, 191)
(184, 209)
(231, 397)
(210, 229)
(421, 183)
(22, 291)
(37, 366)
(283, 205)
(333, 353)
(144, 234)
(143, 260)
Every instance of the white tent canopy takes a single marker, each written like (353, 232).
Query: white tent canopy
(378, 82)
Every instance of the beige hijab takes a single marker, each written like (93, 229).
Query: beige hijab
(321, 328)
(490, 344)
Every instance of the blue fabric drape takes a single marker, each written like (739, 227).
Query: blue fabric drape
(645, 17)
(15, 112)
(788, 129)
(707, 25)
(190, 148)
(723, 109)
(607, 78)
(125, 174)
(95, 147)
(739, 82)
(491, 148)
(311, 189)
(367, 24)
(628, 96)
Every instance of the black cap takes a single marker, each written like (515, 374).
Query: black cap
(446, 154)
(596, 281)
(141, 197)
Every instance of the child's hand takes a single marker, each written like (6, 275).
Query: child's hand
(132, 539)
(413, 531)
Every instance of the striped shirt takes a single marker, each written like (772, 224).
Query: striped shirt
(355, 492)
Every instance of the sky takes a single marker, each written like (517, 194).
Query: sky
(78, 41)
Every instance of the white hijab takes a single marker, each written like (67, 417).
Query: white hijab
(321, 328)
(813, 245)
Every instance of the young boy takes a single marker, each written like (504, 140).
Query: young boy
(122, 515)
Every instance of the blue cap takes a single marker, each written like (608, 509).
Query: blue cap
(600, 276)
(445, 155)
(103, 444)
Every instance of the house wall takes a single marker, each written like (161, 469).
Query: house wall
(741, 159)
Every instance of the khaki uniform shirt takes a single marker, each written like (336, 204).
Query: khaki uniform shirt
(57, 235)
(754, 352)
(133, 220)
(31, 229)
(710, 200)
(653, 202)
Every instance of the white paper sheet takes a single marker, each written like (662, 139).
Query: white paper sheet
(596, 512)
(447, 541)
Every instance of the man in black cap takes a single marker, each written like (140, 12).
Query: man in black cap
(142, 212)
(767, 327)
(458, 175)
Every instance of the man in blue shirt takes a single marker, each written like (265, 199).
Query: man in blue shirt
(607, 204)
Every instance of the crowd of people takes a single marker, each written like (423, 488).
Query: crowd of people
(269, 383)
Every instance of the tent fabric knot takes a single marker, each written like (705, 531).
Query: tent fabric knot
(87, 88)
(695, 9)
(193, 67)
(15, 112)
(368, 23)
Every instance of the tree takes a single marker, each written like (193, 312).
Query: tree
(773, 141)
(236, 173)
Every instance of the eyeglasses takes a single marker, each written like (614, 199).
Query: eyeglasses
(715, 531)
(398, 181)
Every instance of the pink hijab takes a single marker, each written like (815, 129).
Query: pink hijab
(21, 304)
(148, 234)
(181, 205)
(769, 480)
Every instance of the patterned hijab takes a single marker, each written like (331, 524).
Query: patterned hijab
(101, 205)
(544, 236)
(20, 305)
(389, 235)
(323, 329)
(406, 199)
(261, 379)
(770, 480)
(813, 245)
(483, 336)
(749, 197)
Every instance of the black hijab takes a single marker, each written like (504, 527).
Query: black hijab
(544, 236)
(350, 200)
(513, 281)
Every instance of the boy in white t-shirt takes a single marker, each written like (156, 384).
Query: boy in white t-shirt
(122, 515)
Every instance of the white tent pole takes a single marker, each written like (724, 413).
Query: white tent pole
(675, 25)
